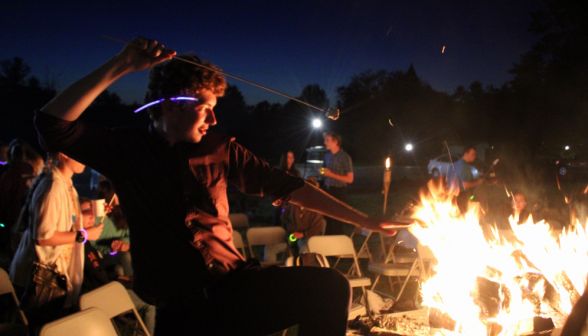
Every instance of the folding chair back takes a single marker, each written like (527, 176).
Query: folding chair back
(404, 265)
(6, 287)
(331, 246)
(238, 241)
(89, 322)
(341, 246)
(113, 299)
(239, 220)
(272, 235)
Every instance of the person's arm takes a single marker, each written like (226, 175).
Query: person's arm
(577, 318)
(475, 183)
(70, 103)
(317, 200)
(347, 178)
(62, 238)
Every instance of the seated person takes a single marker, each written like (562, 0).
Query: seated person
(96, 274)
(114, 242)
(302, 223)
(519, 211)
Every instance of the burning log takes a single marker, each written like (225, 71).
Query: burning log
(486, 296)
(530, 326)
(563, 279)
(440, 320)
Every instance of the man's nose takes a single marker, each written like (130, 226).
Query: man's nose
(211, 118)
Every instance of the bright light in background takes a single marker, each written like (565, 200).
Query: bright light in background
(567, 147)
(316, 123)
(388, 163)
(408, 147)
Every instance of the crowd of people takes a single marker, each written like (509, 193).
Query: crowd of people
(166, 205)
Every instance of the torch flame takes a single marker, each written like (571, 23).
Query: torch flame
(388, 163)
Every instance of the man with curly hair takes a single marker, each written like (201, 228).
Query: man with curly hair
(184, 259)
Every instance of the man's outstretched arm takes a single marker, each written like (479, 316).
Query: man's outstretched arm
(317, 200)
(72, 102)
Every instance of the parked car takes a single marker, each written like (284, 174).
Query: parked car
(576, 164)
(441, 165)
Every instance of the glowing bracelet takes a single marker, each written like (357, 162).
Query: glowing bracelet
(160, 100)
(85, 235)
(292, 238)
(3, 163)
(113, 253)
(322, 171)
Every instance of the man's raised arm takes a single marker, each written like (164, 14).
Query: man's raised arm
(72, 102)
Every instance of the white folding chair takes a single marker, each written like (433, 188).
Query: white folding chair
(238, 241)
(342, 246)
(239, 220)
(6, 287)
(272, 235)
(89, 322)
(113, 299)
(393, 265)
(240, 223)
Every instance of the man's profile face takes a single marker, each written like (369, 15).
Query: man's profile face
(330, 143)
(190, 120)
(470, 156)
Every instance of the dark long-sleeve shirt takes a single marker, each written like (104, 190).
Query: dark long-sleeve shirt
(296, 219)
(13, 190)
(174, 197)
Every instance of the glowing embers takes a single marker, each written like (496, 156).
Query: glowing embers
(160, 100)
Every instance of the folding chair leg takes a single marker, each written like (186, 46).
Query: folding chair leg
(376, 281)
(367, 302)
(406, 281)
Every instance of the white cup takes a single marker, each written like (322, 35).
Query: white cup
(98, 207)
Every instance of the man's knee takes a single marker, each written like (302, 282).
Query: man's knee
(335, 282)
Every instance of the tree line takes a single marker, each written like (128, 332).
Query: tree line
(542, 108)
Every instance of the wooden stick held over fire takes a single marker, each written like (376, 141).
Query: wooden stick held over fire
(330, 113)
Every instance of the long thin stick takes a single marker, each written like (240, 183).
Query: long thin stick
(226, 74)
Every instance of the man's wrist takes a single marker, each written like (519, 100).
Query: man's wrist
(82, 236)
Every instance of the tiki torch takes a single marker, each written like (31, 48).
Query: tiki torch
(387, 179)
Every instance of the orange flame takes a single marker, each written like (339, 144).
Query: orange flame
(467, 251)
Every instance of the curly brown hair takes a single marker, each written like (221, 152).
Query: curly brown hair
(175, 78)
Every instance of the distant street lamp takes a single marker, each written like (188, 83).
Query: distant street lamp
(316, 123)
(408, 147)
(567, 147)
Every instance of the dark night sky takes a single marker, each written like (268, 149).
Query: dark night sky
(281, 44)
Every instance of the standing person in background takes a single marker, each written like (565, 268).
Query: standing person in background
(338, 172)
(460, 177)
(54, 233)
(286, 164)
